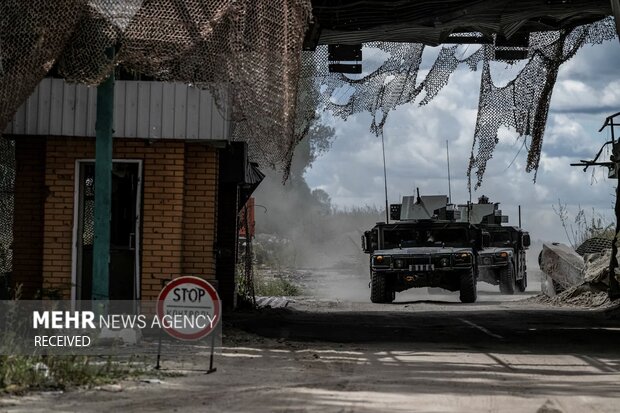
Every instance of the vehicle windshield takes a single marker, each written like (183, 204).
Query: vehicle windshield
(425, 237)
(500, 238)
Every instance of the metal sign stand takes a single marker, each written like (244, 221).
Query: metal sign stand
(211, 355)
(159, 339)
(158, 365)
(211, 368)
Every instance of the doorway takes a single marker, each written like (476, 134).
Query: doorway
(124, 230)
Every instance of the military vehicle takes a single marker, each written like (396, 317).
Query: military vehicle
(437, 244)
(426, 247)
(503, 261)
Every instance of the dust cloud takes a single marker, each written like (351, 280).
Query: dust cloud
(299, 231)
(300, 235)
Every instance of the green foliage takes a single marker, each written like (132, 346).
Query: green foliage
(244, 292)
(277, 285)
(20, 373)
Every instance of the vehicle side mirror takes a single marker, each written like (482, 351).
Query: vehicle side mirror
(366, 242)
(525, 241)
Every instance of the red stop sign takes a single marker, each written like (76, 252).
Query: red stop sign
(188, 308)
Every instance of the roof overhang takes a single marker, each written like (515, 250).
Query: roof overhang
(433, 21)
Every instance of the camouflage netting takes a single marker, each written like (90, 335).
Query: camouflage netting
(245, 51)
(522, 104)
(7, 182)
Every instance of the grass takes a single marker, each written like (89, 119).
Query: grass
(21, 373)
(276, 286)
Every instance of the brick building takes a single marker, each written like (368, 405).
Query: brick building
(178, 184)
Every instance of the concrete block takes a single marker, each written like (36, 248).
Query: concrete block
(547, 287)
(562, 264)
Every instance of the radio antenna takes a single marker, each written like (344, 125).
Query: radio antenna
(387, 210)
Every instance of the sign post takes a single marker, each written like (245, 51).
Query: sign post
(189, 309)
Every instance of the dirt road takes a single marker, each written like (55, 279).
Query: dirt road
(425, 353)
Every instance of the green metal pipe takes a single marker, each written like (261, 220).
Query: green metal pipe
(103, 189)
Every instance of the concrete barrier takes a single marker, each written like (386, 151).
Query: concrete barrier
(562, 265)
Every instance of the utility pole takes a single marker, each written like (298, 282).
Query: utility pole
(449, 178)
(103, 189)
(614, 172)
(614, 285)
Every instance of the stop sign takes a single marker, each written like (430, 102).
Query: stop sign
(188, 308)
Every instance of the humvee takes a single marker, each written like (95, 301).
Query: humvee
(422, 250)
(503, 261)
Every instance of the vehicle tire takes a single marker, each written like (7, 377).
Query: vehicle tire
(522, 284)
(507, 280)
(468, 289)
(380, 292)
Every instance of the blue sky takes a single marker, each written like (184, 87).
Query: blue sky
(588, 90)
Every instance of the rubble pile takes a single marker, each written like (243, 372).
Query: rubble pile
(596, 268)
(584, 295)
(587, 290)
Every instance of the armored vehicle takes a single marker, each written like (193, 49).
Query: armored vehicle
(426, 248)
(503, 261)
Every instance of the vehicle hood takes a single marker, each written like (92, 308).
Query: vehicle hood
(422, 251)
(493, 250)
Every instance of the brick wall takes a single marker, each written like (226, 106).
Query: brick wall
(178, 219)
(58, 212)
(28, 216)
(199, 212)
(162, 217)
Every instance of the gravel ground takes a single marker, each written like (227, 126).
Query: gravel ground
(336, 352)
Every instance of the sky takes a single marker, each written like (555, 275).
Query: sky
(587, 91)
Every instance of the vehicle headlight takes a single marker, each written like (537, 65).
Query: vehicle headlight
(398, 263)
(502, 255)
(381, 260)
(444, 262)
(462, 258)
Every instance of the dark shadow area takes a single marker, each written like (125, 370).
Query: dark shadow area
(443, 303)
(550, 331)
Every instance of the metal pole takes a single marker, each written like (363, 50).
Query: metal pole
(519, 216)
(211, 368)
(158, 365)
(449, 181)
(103, 189)
(614, 286)
(387, 210)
